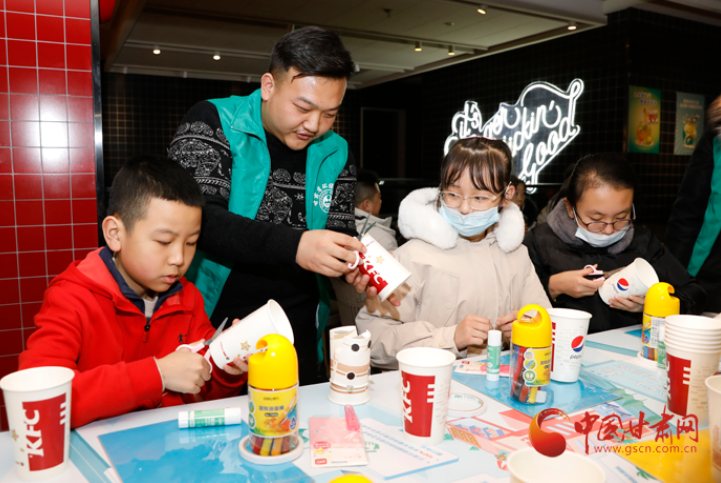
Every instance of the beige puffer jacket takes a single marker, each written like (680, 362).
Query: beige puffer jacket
(451, 278)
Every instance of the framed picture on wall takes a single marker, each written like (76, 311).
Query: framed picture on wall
(644, 120)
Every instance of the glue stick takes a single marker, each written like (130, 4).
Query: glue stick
(208, 417)
(493, 362)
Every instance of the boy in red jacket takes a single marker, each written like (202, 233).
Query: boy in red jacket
(117, 316)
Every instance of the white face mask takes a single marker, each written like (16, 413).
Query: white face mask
(599, 239)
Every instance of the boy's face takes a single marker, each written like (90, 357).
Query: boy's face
(160, 247)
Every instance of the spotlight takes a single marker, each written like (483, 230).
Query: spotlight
(156, 49)
(216, 56)
(572, 26)
(419, 46)
(483, 9)
(451, 51)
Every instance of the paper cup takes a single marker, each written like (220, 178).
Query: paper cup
(634, 279)
(425, 384)
(350, 366)
(686, 334)
(694, 344)
(686, 371)
(38, 407)
(240, 340)
(694, 324)
(385, 272)
(529, 466)
(570, 328)
(713, 384)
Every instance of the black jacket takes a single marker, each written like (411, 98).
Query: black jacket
(551, 255)
(687, 217)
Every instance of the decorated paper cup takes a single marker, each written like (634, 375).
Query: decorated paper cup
(713, 384)
(570, 328)
(529, 466)
(385, 272)
(38, 407)
(687, 369)
(240, 340)
(634, 279)
(425, 384)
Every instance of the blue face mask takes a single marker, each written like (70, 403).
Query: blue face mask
(599, 239)
(473, 223)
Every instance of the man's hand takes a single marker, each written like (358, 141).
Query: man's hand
(634, 303)
(362, 284)
(184, 371)
(472, 330)
(573, 283)
(504, 323)
(327, 252)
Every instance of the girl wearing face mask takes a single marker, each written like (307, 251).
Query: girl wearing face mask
(595, 226)
(469, 268)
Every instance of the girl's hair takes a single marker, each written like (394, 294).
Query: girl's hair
(596, 170)
(488, 161)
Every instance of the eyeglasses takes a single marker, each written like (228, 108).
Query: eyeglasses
(477, 203)
(599, 226)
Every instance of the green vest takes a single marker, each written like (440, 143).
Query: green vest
(327, 156)
(712, 218)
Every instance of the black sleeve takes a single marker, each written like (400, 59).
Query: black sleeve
(689, 208)
(670, 270)
(200, 146)
(341, 216)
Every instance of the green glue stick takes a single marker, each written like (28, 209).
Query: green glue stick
(208, 417)
(493, 362)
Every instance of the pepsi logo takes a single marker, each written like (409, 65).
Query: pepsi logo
(622, 284)
(577, 344)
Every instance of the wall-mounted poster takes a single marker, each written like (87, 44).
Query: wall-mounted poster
(644, 120)
(689, 122)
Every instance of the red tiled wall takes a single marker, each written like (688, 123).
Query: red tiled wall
(48, 214)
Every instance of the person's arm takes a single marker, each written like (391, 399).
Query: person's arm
(100, 392)
(687, 212)
(201, 147)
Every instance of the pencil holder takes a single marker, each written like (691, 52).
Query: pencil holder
(531, 342)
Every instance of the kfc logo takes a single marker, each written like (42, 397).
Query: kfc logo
(678, 371)
(418, 397)
(367, 267)
(45, 423)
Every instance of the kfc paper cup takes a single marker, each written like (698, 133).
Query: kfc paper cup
(38, 407)
(634, 279)
(385, 272)
(425, 384)
(694, 324)
(240, 340)
(529, 466)
(695, 345)
(686, 371)
(713, 384)
(570, 328)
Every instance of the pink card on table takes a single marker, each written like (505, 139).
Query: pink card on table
(333, 444)
(475, 367)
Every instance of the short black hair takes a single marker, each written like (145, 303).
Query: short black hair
(312, 51)
(365, 186)
(145, 177)
(597, 170)
(516, 181)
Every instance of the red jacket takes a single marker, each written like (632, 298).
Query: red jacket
(86, 324)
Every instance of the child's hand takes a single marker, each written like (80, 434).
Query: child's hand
(237, 367)
(472, 330)
(634, 303)
(184, 371)
(504, 323)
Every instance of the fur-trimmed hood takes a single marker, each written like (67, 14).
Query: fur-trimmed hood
(418, 217)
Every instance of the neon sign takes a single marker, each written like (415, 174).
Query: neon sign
(536, 128)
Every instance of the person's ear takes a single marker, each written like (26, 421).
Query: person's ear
(508, 196)
(365, 206)
(268, 85)
(569, 208)
(113, 232)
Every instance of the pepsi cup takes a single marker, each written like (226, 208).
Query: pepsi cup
(570, 328)
(634, 279)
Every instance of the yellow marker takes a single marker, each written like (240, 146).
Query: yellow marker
(277, 445)
(265, 449)
(532, 395)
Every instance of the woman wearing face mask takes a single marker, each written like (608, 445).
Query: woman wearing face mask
(594, 226)
(469, 268)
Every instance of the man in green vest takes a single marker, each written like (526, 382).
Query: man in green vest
(279, 189)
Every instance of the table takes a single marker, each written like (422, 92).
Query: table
(616, 345)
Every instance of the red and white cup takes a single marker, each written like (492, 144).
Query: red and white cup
(38, 407)
(687, 368)
(635, 279)
(570, 328)
(385, 272)
(713, 384)
(425, 387)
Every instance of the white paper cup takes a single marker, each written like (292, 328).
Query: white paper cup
(713, 384)
(425, 384)
(350, 366)
(694, 324)
(570, 328)
(38, 407)
(385, 272)
(694, 344)
(635, 279)
(529, 466)
(686, 371)
(240, 340)
(685, 334)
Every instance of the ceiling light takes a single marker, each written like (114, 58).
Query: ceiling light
(572, 26)
(483, 9)
(451, 51)
(156, 49)
(419, 46)
(216, 56)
